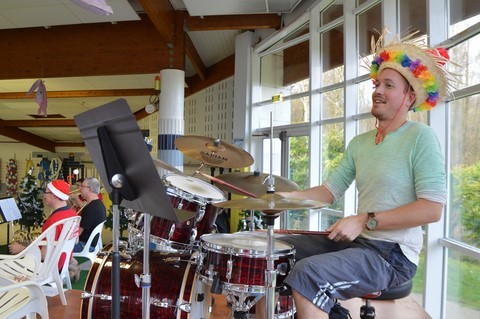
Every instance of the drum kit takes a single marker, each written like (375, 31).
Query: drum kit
(189, 261)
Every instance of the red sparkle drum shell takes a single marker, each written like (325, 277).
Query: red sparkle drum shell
(195, 195)
(173, 283)
(188, 194)
(239, 260)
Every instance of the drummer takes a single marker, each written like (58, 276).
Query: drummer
(400, 176)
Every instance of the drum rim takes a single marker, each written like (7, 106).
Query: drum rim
(206, 200)
(245, 251)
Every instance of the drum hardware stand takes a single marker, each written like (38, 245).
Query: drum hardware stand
(145, 279)
(117, 183)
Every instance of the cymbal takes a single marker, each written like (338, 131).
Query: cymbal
(213, 151)
(254, 182)
(161, 164)
(270, 203)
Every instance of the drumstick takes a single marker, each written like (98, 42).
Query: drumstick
(300, 232)
(216, 180)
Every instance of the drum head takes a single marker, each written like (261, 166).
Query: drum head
(243, 243)
(195, 186)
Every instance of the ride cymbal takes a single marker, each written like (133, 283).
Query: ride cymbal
(213, 151)
(270, 203)
(253, 182)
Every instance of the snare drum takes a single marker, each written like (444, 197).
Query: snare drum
(239, 260)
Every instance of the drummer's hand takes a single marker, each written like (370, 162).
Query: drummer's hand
(15, 248)
(347, 229)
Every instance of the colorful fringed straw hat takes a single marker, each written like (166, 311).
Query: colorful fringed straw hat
(422, 67)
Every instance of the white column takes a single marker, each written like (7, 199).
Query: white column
(242, 98)
(170, 116)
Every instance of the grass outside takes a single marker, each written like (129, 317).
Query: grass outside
(463, 280)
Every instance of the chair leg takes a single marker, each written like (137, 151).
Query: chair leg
(59, 283)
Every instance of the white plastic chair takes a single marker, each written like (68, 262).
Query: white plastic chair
(23, 299)
(86, 253)
(28, 263)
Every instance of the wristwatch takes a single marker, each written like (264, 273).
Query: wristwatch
(371, 223)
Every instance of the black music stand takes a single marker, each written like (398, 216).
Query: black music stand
(118, 150)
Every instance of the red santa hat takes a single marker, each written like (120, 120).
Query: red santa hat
(60, 188)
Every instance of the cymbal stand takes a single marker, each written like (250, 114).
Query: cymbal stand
(270, 272)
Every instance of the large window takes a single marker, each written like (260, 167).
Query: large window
(331, 102)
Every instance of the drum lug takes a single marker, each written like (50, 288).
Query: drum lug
(193, 235)
(229, 269)
(172, 230)
(282, 269)
(186, 307)
(88, 295)
(200, 213)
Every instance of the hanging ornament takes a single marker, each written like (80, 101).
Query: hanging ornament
(40, 96)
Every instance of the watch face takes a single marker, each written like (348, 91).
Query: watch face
(372, 224)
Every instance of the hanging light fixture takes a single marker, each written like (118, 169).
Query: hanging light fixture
(95, 6)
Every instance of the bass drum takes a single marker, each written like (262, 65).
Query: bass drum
(175, 292)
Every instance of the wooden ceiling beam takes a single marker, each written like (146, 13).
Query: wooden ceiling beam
(38, 123)
(80, 93)
(233, 22)
(26, 137)
(162, 15)
(131, 47)
(195, 59)
(217, 72)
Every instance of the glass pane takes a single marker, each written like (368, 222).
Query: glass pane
(463, 280)
(332, 152)
(369, 23)
(299, 172)
(413, 13)
(286, 112)
(333, 104)
(463, 14)
(365, 90)
(332, 56)
(465, 171)
(285, 72)
(333, 12)
(467, 55)
(268, 153)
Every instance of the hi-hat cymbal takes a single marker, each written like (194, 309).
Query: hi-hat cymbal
(254, 182)
(270, 203)
(161, 164)
(213, 151)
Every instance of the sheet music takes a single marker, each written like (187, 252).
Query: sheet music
(9, 209)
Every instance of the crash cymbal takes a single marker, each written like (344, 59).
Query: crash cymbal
(270, 203)
(161, 164)
(255, 183)
(213, 151)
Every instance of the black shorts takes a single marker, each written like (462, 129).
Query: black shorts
(326, 270)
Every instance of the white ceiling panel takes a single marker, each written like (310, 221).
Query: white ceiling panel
(222, 7)
(47, 13)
